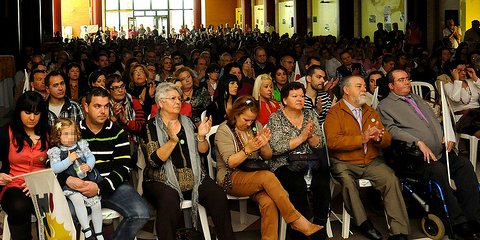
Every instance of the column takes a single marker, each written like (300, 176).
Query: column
(57, 16)
(246, 13)
(269, 12)
(97, 12)
(300, 17)
(197, 13)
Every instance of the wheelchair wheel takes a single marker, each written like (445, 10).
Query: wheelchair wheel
(433, 227)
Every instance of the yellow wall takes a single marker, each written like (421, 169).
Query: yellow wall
(259, 17)
(75, 13)
(326, 15)
(238, 17)
(373, 13)
(468, 7)
(285, 14)
(220, 12)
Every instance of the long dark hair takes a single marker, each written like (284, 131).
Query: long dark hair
(223, 92)
(30, 101)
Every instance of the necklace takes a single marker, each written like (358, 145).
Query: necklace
(244, 135)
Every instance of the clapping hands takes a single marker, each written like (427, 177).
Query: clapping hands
(373, 132)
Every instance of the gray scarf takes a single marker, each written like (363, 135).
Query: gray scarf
(168, 168)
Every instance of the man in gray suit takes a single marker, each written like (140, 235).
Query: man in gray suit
(408, 118)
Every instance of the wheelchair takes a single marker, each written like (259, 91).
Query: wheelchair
(424, 198)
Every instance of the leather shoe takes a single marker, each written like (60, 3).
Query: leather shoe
(369, 231)
(398, 237)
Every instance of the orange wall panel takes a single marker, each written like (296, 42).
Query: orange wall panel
(220, 12)
(75, 13)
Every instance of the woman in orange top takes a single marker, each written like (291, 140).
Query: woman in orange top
(23, 149)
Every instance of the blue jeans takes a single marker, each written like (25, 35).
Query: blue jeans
(126, 201)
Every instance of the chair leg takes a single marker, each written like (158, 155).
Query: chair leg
(329, 228)
(282, 231)
(204, 221)
(243, 211)
(6, 229)
(473, 151)
(346, 223)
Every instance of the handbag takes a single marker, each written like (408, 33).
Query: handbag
(302, 161)
(252, 165)
(185, 176)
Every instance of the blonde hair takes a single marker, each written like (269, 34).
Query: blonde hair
(58, 126)
(258, 84)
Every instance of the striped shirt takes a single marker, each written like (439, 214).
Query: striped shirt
(111, 149)
(326, 102)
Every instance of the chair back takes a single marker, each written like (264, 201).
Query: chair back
(417, 88)
(212, 163)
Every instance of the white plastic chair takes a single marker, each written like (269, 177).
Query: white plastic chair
(212, 165)
(417, 89)
(472, 139)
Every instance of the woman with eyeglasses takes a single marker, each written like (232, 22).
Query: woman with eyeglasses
(139, 88)
(125, 109)
(240, 139)
(198, 97)
(295, 140)
(172, 144)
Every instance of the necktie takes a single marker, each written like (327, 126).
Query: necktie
(412, 103)
(358, 115)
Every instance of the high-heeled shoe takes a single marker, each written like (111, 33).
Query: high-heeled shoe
(304, 226)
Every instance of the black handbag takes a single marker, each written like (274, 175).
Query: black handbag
(252, 165)
(298, 162)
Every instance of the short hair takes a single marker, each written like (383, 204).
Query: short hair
(96, 92)
(177, 73)
(31, 78)
(92, 78)
(312, 69)
(258, 83)
(289, 87)
(100, 54)
(310, 59)
(72, 65)
(58, 126)
(162, 90)
(390, 75)
(52, 74)
(112, 78)
(212, 68)
(388, 58)
(258, 48)
(240, 105)
(346, 81)
(454, 64)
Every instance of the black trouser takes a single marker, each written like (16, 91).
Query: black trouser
(167, 202)
(294, 183)
(464, 204)
(19, 209)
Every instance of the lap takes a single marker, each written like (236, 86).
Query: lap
(126, 201)
(377, 171)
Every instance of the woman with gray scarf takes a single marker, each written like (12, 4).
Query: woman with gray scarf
(172, 144)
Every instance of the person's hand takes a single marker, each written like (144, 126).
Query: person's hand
(455, 74)
(72, 156)
(75, 183)
(307, 132)
(378, 133)
(5, 179)
(427, 153)
(471, 73)
(85, 168)
(368, 134)
(151, 89)
(90, 189)
(266, 134)
(170, 131)
(205, 126)
(25, 189)
(450, 145)
(331, 84)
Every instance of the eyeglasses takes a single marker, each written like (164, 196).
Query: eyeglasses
(403, 80)
(138, 72)
(116, 88)
(173, 99)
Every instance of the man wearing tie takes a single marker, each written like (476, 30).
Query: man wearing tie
(408, 118)
(355, 137)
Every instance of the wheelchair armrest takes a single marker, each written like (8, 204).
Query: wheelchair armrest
(404, 148)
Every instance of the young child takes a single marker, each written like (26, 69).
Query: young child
(71, 154)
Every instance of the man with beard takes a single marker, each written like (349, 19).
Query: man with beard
(411, 120)
(355, 137)
(110, 146)
(58, 104)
